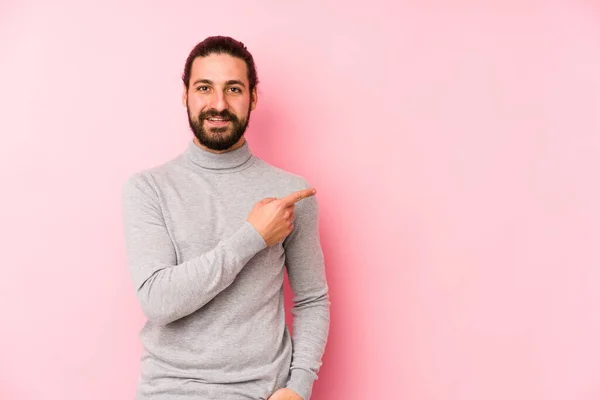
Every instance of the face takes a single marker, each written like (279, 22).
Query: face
(219, 101)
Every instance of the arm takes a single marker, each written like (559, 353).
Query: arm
(306, 271)
(167, 291)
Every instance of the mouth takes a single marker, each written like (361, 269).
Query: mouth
(217, 121)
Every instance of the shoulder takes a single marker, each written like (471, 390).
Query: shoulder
(147, 181)
(284, 183)
(282, 178)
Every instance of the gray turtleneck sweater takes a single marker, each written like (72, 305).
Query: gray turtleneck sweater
(210, 287)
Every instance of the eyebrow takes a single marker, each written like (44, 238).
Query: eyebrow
(229, 82)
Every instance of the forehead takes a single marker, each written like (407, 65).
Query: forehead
(219, 68)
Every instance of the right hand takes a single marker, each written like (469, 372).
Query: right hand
(274, 218)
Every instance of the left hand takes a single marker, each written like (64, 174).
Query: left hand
(285, 394)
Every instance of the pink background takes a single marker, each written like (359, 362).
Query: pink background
(455, 146)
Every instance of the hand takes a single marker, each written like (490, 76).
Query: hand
(274, 218)
(285, 394)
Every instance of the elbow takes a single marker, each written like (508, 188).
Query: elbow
(157, 316)
(154, 309)
(318, 300)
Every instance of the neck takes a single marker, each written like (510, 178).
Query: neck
(232, 159)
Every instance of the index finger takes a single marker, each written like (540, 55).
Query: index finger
(297, 196)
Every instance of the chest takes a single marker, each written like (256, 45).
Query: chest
(199, 213)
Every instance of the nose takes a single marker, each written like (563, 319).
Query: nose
(219, 102)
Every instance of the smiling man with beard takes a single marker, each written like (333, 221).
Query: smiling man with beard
(224, 128)
(208, 236)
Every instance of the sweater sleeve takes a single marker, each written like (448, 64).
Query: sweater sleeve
(306, 271)
(168, 291)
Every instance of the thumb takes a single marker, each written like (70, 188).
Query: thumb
(275, 395)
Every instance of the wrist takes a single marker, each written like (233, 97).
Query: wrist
(301, 382)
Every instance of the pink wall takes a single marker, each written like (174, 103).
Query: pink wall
(455, 146)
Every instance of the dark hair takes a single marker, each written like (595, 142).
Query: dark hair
(221, 45)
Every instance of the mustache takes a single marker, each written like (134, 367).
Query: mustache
(214, 113)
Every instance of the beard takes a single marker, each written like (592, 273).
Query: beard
(218, 138)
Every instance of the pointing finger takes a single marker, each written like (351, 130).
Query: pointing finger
(297, 196)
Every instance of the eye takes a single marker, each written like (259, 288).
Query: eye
(202, 88)
(235, 89)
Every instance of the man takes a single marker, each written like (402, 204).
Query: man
(208, 235)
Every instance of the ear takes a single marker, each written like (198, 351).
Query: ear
(253, 99)
(184, 96)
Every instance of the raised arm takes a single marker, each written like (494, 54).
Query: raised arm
(168, 291)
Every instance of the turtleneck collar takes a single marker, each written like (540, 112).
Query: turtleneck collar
(223, 162)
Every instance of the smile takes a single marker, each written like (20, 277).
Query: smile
(217, 122)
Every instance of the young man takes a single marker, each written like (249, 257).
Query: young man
(208, 235)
